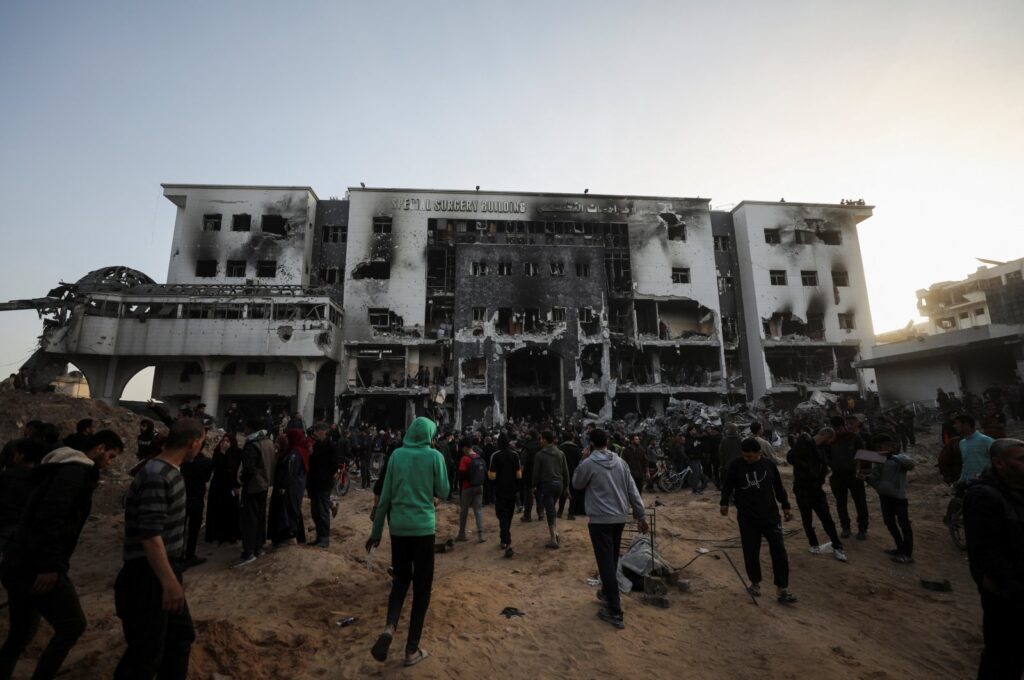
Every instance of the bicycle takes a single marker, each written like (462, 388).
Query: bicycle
(342, 482)
(668, 480)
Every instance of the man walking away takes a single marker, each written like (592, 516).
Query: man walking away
(809, 474)
(324, 462)
(756, 487)
(472, 474)
(636, 461)
(416, 476)
(530, 448)
(36, 564)
(506, 472)
(844, 480)
(255, 483)
(149, 593)
(728, 450)
(994, 526)
(889, 479)
(767, 450)
(974, 448)
(196, 473)
(610, 494)
(550, 479)
(572, 459)
(82, 437)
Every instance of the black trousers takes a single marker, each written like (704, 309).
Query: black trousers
(61, 609)
(159, 643)
(364, 469)
(810, 502)
(412, 559)
(572, 500)
(193, 523)
(606, 540)
(896, 515)
(505, 509)
(1003, 656)
(844, 487)
(714, 470)
(752, 530)
(252, 521)
(320, 508)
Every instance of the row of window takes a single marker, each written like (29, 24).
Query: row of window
(806, 237)
(555, 268)
(778, 277)
(585, 314)
(235, 269)
(271, 224)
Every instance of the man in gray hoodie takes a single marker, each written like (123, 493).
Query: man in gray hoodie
(610, 494)
(889, 479)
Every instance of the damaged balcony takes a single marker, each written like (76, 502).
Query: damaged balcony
(528, 324)
(591, 371)
(395, 370)
(674, 322)
(801, 368)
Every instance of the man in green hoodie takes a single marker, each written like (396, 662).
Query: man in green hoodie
(550, 480)
(416, 475)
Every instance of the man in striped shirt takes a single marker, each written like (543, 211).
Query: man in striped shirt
(148, 593)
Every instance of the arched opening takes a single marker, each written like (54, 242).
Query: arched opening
(140, 386)
(533, 383)
(72, 383)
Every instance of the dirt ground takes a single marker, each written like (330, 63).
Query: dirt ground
(868, 619)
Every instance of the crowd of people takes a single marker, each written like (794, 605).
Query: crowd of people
(249, 489)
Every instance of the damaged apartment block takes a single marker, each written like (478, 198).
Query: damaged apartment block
(470, 306)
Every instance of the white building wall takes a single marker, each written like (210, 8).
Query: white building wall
(916, 380)
(761, 299)
(191, 243)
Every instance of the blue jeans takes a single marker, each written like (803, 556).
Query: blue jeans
(697, 480)
(549, 495)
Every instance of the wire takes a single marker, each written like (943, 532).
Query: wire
(732, 564)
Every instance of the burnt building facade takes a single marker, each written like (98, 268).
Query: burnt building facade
(484, 306)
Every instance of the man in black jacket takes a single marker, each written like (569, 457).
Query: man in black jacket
(531, 445)
(35, 568)
(758, 491)
(994, 525)
(809, 473)
(844, 480)
(324, 462)
(196, 473)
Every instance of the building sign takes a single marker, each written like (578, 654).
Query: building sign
(452, 205)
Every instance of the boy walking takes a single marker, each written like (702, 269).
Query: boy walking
(472, 475)
(889, 479)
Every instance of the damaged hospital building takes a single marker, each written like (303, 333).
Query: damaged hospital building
(473, 305)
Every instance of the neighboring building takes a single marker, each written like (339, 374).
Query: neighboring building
(476, 306)
(973, 339)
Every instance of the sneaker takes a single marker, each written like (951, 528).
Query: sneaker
(891, 551)
(754, 589)
(611, 617)
(243, 560)
(845, 533)
(502, 546)
(335, 506)
(525, 518)
(461, 538)
(480, 538)
(823, 549)
(786, 597)
(862, 535)
(572, 517)
(839, 555)
(902, 559)
(509, 552)
(601, 597)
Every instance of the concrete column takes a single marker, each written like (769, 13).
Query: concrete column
(306, 388)
(656, 365)
(213, 370)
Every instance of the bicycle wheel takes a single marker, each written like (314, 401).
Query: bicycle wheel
(668, 483)
(341, 485)
(956, 523)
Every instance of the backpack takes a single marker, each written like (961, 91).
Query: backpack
(477, 473)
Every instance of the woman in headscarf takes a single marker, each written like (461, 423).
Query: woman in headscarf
(222, 503)
(286, 521)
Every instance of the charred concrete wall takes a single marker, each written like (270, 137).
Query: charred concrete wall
(730, 301)
(801, 266)
(329, 245)
(232, 234)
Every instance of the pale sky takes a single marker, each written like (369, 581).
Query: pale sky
(915, 106)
